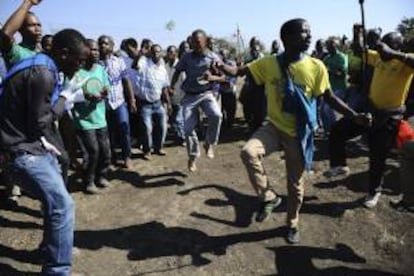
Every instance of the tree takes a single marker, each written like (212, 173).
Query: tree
(406, 27)
(170, 27)
(224, 43)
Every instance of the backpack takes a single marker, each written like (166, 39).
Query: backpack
(36, 60)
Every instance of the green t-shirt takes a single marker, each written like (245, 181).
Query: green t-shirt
(91, 115)
(17, 53)
(334, 63)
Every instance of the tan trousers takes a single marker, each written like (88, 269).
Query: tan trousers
(265, 140)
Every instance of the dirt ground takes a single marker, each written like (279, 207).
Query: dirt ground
(158, 219)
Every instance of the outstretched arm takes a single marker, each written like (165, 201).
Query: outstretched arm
(337, 104)
(14, 23)
(386, 53)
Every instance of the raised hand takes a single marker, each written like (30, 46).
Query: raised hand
(34, 2)
(385, 51)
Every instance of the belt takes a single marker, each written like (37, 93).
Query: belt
(143, 102)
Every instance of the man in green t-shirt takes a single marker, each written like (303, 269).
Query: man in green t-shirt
(337, 65)
(28, 25)
(90, 122)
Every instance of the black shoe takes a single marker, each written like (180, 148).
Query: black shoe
(267, 208)
(293, 235)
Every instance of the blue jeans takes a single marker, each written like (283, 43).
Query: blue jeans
(118, 125)
(208, 103)
(149, 112)
(42, 179)
(177, 121)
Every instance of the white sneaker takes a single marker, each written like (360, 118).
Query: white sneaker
(192, 164)
(16, 191)
(371, 201)
(209, 150)
(337, 171)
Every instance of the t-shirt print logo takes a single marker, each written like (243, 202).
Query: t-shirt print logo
(278, 83)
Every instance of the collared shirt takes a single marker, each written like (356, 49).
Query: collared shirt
(130, 72)
(178, 92)
(116, 69)
(152, 78)
(195, 65)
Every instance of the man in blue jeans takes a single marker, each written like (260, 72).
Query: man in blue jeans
(121, 89)
(152, 84)
(29, 105)
(198, 87)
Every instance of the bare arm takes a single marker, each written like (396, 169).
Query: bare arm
(126, 83)
(14, 23)
(337, 104)
(386, 53)
(233, 70)
(174, 78)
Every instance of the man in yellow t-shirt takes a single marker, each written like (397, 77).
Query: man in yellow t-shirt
(393, 73)
(280, 130)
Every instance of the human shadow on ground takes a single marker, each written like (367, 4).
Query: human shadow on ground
(7, 223)
(358, 182)
(298, 260)
(8, 270)
(24, 256)
(9, 205)
(245, 206)
(147, 181)
(154, 240)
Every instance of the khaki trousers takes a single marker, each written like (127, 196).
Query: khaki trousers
(265, 140)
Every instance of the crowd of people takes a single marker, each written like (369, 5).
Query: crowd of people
(62, 94)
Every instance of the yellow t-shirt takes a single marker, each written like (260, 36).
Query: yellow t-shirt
(310, 73)
(390, 82)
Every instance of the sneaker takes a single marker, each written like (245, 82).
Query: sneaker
(293, 235)
(127, 163)
(209, 150)
(401, 206)
(147, 156)
(371, 201)
(16, 191)
(192, 164)
(267, 208)
(91, 188)
(160, 152)
(337, 171)
(104, 183)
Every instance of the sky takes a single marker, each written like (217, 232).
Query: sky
(220, 18)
